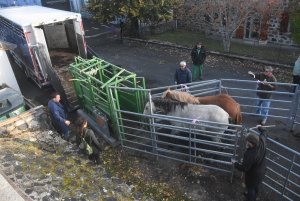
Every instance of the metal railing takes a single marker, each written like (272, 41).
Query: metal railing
(152, 134)
(283, 168)
(283, 103)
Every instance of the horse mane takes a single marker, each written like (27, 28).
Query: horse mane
(167, 105)
(180, 96)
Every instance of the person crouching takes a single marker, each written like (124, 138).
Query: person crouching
(89, 137)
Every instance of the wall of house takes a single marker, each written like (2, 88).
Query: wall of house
(192, 20)
(276, 36)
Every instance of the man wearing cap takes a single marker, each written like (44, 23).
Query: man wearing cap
(264, 102)
(182, 75)
(254, 162)
(198, 56)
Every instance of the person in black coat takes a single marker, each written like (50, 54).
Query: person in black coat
(90, 138)
(254, 162)
(198, 56)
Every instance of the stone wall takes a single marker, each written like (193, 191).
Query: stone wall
(31, 120)
(191, 19)
(275, 36)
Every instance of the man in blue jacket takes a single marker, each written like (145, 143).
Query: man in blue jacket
(254, 162)
(58, 115)
(182, 75)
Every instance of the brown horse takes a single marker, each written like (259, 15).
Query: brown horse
(222, 100)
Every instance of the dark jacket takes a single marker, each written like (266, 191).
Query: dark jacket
(58, 116)
(198, 59)
(254, 162)
(91, 139)
(183, 76)
(261, 77)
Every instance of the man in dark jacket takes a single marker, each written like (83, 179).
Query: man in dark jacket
(198, 56)
(58, 115)
(254, 162)
(182, 75)
(264, 103)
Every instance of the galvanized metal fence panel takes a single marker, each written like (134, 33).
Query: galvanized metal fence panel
(152, 136)
(283, 169)
(283, 102)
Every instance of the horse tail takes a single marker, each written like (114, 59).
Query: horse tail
(238, 114)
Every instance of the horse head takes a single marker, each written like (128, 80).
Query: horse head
(162, 105)
(147, 109)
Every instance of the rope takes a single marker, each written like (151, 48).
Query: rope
(225, 89)
(184, 87)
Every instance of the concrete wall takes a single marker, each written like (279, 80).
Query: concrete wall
(32, 120)
(6, 73)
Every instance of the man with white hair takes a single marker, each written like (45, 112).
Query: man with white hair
(182, 75)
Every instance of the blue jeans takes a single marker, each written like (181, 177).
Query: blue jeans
(265, 110)
(252, 193)
(66, 134)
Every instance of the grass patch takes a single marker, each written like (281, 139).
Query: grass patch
(274, 53)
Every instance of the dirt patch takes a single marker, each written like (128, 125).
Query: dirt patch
(61, 59)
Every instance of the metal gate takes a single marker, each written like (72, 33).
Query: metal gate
(91, 81)
(283, 168)
(149, 136)
(283, 102)
(194, 146)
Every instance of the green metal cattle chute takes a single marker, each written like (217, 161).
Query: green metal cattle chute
(92, 79)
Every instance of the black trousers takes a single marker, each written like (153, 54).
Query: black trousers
(95, 157)
(296, 80)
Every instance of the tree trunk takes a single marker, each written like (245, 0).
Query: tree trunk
(226, 42)
(134, 26)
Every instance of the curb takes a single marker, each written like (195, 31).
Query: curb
(172, 45)
(10, 192)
